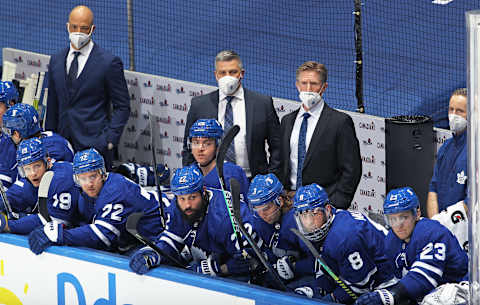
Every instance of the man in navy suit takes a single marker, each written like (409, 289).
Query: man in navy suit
(234, 105)
(319, 144)
(85, 82)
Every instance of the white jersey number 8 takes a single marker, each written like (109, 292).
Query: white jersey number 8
(355, 260)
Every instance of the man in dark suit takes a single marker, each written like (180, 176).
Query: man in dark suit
(319, 144)
(85, 82)
(234, 105)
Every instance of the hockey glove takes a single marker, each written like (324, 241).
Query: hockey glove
(305, 291)
(144, 259)
(207, 266)
(42, 238)
(450, 293)
(233, 266)
(3, 223)
(286, 267)
(377, 297)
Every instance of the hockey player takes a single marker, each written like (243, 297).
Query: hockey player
(271, 217)
(33, 163)
(424, 252)
(197, 220)
(106, 202)
(145, 175)
(205, 135)
(350, 244)
(8, 169)
(21, 122)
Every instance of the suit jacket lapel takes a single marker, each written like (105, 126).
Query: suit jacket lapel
(321, 127)
(249, 110)
(63, 74)
(214, 100)
(290, 121)
(91, 64)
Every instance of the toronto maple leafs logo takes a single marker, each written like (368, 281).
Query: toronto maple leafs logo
(461, 177)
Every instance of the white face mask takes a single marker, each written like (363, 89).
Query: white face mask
(310, 99)
(79, 39)
(228, 84)
(457, 123)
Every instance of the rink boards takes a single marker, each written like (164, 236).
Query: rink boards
(67, 275)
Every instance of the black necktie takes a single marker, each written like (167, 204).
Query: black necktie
(228, 122)
(72, 73)
(302, 148)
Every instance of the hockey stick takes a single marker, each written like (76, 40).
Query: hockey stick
(222, 152)
(324, 265)
(131, 226)
(43, 195)
(157, 183)
(8, 207)
(235, 187)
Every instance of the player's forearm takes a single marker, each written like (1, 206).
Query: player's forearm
(83, 236)
(432, 204)
(24, 225)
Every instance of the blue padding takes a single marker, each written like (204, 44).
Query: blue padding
(261, 295)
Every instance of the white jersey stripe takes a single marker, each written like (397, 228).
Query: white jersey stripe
(108, 226)
(431, 268)
(100, 235)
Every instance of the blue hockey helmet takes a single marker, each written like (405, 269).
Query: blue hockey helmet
(400, 200)
(187, 180)
(87, 161)
(29, 151)
(163, 173)
(206, 128)
(22, 118)
(8, 92)
(264, 189)
(310, 200)
(310, 197)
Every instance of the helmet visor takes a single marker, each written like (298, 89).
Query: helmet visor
(309, 221)
(87, 178)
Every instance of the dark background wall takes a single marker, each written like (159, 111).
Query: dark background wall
(413, 50)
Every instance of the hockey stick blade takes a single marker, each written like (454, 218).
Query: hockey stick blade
(235, 187)
(222, 150)
(324, 265)
(131, 226)
(154, 159)
(43, 195)
(6, 203)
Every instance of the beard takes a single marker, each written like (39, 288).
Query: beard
(195, 215)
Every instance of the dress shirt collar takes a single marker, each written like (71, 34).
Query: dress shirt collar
(83, 51)
(239, 94)
(315, 112)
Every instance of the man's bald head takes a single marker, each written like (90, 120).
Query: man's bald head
(81, 13)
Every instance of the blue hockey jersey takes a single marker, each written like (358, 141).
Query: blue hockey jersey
(230, 170)
(8, 161)
(61, 203)
(212, 235)
(431, 258)
(354, 249)
(57, 147)
(105, 217)
(289, 244)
